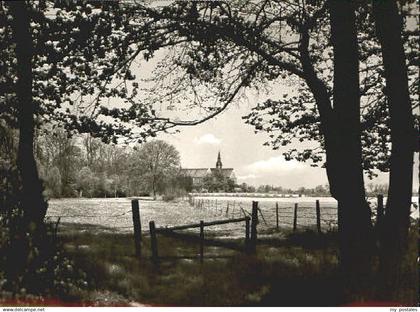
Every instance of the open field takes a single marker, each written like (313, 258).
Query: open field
(114, 214)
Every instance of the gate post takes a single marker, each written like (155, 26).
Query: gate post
(254, 221)
(135, 210)
(318, 217)
(295, 218)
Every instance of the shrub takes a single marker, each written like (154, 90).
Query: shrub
(32, 264)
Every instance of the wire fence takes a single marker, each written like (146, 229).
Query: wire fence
(99, 219)
(118, 218)
(273, 214)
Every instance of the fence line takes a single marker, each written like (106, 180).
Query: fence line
(88, 216)
(321, 217)
(292, 214)
(311, 216)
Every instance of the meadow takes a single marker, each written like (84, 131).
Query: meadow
(114, 214)
(288, 269)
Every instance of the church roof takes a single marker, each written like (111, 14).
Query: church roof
(227, 172)
(202, 172)
(195, 172)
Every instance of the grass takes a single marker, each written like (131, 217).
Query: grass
(235, 279)
(301, 270)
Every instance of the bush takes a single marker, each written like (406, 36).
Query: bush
(32, 264)
(172, 193)
(36, 266)
(168, 197)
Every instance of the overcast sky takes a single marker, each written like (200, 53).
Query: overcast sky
(242, 150)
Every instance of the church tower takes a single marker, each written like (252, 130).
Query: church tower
(219, 162)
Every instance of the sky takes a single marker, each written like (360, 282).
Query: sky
(242, 150)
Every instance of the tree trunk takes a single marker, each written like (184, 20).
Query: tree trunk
(397, 219)
(154, 189)
(344, 153)
(33, 204)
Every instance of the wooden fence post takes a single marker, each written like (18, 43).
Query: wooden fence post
(295, 218)
(318, 217)
(153, 242)
(247, 224)
(277, 216)
(201, 241)
(254, 221)
(227, 209)
(135, 210)
(380, 209)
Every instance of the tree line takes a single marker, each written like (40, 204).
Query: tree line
(84, 166)
(319, 190)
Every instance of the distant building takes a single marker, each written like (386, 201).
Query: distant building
(198, 174)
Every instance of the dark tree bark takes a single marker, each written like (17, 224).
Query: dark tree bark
(340, 126)
(397, 219)
(33, 204)
(344, 153)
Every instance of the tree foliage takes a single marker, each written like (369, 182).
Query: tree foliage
(81, 63)
(156, 162)
(217, 182)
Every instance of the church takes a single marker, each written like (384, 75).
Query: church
(198, 174)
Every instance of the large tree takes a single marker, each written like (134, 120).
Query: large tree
(343, 143)
(33, 205)
(60, 61)
(389, 28)
(155, 162)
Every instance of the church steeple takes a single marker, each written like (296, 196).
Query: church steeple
(219, 162)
